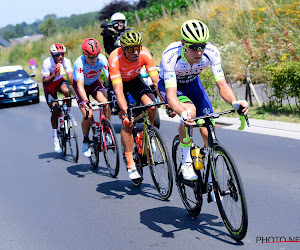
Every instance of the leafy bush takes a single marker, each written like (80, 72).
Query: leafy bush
(284, 81)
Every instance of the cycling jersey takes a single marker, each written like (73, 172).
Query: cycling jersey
(175, 70)
(49, 67)
(90, 74)
(122, 70)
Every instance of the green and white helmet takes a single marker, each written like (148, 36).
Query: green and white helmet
(194, 31)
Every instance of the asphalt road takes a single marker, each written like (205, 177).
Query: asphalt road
(49, 202)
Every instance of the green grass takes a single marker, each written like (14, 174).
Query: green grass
(275, 113)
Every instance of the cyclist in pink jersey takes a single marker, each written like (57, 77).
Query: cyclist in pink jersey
(53, 71)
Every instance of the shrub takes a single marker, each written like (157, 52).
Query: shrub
(284, 81)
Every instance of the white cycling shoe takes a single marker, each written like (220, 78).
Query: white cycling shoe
(133, 173)
(188, 172)
(57, 147)
(86, 150)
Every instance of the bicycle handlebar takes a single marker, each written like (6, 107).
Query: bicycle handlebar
(96, 104)
(243, 118)
(63, 99)
(142, 108)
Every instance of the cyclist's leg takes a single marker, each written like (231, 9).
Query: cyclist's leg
(127, 139)
(85, 124)
(197, 95)
(50, 94)
(64, 88)
(185, 139)
(99, 93)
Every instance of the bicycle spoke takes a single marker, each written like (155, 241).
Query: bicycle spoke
(229, 194)
(160, 164)
(110, 148)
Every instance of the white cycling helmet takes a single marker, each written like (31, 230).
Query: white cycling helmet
(118, 16)
(57, 48)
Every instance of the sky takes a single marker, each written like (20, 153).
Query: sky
(18, 11)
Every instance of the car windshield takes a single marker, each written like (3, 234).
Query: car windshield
(13, 75)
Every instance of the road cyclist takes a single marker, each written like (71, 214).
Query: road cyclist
(180, 86)
(87, 70)
(53, 70)
(125, 64)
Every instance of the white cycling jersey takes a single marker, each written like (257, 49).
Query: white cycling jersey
(49, 66)
(175, 70)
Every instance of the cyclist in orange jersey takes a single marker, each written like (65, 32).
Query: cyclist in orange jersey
(125, 64)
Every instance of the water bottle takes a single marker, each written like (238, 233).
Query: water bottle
(198, 158)
(139, 142)
(61, 119)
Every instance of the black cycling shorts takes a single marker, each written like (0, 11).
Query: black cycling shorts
(136, 88)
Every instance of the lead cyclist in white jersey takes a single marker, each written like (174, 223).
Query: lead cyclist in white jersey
(180, 86)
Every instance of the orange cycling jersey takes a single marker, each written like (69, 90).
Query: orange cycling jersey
(122, 70)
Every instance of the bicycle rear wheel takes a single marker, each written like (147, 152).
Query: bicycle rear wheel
(160, 164)
(94, 158)
(72, 139)
(229, 193)
(111, 148)
(62, 140)
(190, 192)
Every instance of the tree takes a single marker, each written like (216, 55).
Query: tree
(20, 30)
(48, 27)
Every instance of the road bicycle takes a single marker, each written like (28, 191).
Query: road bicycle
(104, 140)
(154, 152)
(219, 178)
(67, 132)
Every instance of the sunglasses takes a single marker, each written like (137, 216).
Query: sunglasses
(59, 54)
(132, 49)
(91, 57)
(196, 47)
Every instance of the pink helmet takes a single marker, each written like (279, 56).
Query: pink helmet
(91, 47)
(57, 48)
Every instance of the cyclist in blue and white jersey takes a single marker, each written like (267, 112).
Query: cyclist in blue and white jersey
(87, 70)
(180, 86)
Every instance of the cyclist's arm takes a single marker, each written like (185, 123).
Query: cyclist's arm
(118, 89)
(228, 95)
(155, 79)
(47, 80)
(70, 76)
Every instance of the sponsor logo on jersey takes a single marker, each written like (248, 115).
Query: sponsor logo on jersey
(92, 74)
(79, 70)
(115, 76)
(206, 111)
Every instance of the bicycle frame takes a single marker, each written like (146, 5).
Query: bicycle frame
(205, 173)
(100, 139)
(146, 124)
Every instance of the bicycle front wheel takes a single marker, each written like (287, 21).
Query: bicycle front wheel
(160, 164)
(72, 139)
(229, 193)
(111, 148)
(190, 192)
